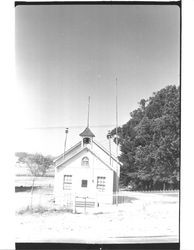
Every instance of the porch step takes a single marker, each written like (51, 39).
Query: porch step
(85, 204)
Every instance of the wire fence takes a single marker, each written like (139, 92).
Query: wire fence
(45, 199)
(41, 200)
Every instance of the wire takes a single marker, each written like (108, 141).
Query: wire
(71, 127)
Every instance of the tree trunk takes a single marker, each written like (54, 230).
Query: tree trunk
(32, 189)
(164, 186)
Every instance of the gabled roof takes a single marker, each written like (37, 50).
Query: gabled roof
(77, 148)
(66, 159)
(87, 133)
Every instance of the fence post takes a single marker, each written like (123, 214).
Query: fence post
(85, 205)
(74, 205)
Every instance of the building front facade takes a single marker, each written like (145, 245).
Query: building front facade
(87, 170)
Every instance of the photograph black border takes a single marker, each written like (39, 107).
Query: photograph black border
(116, 246)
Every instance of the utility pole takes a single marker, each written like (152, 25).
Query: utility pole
(65, 143)
(117, 174)
(109, 139)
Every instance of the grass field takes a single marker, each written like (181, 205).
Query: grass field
(146, 217)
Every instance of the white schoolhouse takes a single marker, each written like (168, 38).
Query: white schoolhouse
(86, 170)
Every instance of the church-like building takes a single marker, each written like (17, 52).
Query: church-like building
(86, 170)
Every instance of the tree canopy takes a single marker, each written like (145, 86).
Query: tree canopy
(36, 163)
(150, 142)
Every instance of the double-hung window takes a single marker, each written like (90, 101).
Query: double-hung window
(67, 182)
(101, 183)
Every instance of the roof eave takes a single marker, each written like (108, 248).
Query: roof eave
(69, 150)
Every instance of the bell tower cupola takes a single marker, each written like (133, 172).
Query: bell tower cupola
(87, 137)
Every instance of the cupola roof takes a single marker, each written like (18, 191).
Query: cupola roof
(87, 133)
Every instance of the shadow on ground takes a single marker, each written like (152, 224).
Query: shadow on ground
(126, 199)
(26, 189)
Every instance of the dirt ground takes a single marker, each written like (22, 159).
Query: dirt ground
(146, 217)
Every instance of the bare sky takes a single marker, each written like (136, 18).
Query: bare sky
(66, 53)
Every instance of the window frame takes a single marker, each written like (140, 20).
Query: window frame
(67, 184)
(85, 161)
(101, 183)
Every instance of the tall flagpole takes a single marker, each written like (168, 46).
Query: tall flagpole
(116, 119)
(88, 111)
(117, 176)
(117, 142)
(65, 143)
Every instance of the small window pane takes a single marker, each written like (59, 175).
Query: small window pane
(84, 183)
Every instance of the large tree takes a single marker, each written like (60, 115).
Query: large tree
(37, 165)
(150, 142)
